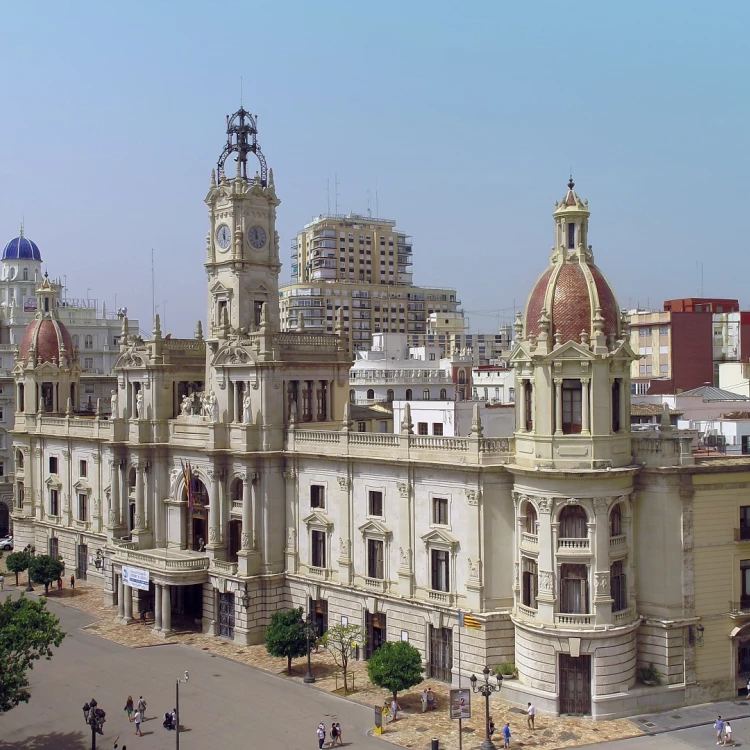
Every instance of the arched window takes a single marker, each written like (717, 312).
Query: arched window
(352, 397)
(19, 459)
(443, 394)
(615, 521)
(88, 342)
(408, 394)
(426, 394)
(389, 395)
(530, 519)
(370, 394)
(573, 522)
(462, 377)
(618, 587)
(237, 491)
(25, 274)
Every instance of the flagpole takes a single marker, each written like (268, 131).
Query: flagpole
(460, 721)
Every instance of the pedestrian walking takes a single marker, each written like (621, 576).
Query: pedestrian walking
(59, 583)
(129, 707)
(492, 727)
(531, 711)
(73, 583)
(430, 699)
(2, 582)
(506, 735)
(174, 718)
(334, 734)
(142, 707)
(747, 687)
(138, 718)
(395, 708)
(719, 727)
(338, 733)
(321, 735)
(728, 733)
(424, 700)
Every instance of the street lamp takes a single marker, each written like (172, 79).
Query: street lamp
(486, 689)
(310, 633)
(29, 551)
(94, 717)
(177, 709)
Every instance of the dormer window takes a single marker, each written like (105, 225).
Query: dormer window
(571, 236)
(25, 274)
(572, 411)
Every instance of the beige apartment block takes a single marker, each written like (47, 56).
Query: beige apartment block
(362, 265)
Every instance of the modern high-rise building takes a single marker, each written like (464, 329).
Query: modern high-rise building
(362, 265)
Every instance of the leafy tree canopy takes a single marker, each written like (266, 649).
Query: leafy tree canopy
(45, 569)
(17, 562)
(341, 642)
(395, 666)
(27, 632)
(285, 636)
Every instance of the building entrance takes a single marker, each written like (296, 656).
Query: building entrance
(226, 615)
(4, 520)
(441, 653)
(575, 684)
(83, 561)
(376, 632)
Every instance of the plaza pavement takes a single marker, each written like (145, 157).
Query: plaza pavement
(224, 705)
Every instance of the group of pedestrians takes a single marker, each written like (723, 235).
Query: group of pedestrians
(530, 719)
(723, 732)
(336, 736)
(428, 700)
(136, 713)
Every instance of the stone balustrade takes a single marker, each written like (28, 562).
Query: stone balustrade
(227, 568)
(574, 545)
(160, 561)
(526, 612)
(617, 541)
(573, 620)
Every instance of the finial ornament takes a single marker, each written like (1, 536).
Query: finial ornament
(571, 184)
(242, 139)
(20, 231)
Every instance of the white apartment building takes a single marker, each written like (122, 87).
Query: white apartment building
(391, 370)
(493, 383)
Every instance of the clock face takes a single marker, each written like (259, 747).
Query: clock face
(256, 236)
(223, 236)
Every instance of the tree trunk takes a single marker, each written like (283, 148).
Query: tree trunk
(46, 589)
(289, 665)
(16, 578)
(394, 695)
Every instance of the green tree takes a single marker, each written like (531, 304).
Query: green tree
(285, 636)
(395, 666)
(17, 562)
(341, 642)
(45, 569)
(27, 632)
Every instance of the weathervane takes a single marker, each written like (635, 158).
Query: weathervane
(242, 139)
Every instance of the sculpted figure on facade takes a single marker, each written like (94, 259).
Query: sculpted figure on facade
(247, 416)
(139, 405)
(113, 403)
(544, 504)
(546, 581)
(213, 404)
(601, 583)
(186, 406)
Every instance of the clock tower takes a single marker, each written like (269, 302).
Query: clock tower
(242, 246)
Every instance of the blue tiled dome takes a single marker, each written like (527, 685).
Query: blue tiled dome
(21, 248)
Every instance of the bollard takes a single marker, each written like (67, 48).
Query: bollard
(435, 744)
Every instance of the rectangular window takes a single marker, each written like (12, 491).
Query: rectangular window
(530, 583)
(83, 468)
(53, 550)
(571, 406)
(318, 549)
(437, 428)
(82, 514)
(440, 574)
(317, 496)
(744, 522)
(384, 426)
(375, 507)
(574, 589)
(53, 504)
(664, 330)
(422, 428)
(618, 587)
(440, 510)
(374, 559)
(644, 331)
(2, 468)
(571, 235)
(361, 426)
(53, 465)
(88, 363)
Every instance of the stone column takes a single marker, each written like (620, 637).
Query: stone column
(157, 607)
(558, 406)
(166, 611)
(248, 532)
(120, 599)
(127, 615)
(546, 570)
(585, 408)
(214, 511)
(329, 400)
(114, 494)
(624, 406)
(599, 540)
(140, 511)
(522, 405)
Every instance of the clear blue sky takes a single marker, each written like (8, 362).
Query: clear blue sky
(465, 117)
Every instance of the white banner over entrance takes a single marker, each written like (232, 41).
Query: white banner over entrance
(136, 578)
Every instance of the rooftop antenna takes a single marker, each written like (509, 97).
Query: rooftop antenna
(153, 306)
(328, 194)
(240, 91)
(336, 190)
(369, 210)
(377, 204)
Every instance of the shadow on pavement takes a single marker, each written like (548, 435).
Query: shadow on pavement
(52, 741)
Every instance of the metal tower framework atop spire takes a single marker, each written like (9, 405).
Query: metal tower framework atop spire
(242, 139)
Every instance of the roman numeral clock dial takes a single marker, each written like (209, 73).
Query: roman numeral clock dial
(256, 236)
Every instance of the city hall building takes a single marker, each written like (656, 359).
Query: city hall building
(224, 472)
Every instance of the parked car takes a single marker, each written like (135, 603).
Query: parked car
(6, 543)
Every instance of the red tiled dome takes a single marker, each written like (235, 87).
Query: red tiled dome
(571, 292)
(45, 336)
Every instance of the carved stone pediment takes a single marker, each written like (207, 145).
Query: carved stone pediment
(53, 482)
(375, 529)
(318, 520)
(571, 350)
(235, 352)
(440, 538)
(82, 486)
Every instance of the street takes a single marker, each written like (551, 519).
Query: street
(224, 705)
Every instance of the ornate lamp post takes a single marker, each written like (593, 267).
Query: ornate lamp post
(486, 689)
(310, 633)
(94, 717)
(177, 709)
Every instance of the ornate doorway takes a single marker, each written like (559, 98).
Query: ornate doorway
(4, 520)
(197, 514)
(376, 632)
(441, 654)
(226, 615)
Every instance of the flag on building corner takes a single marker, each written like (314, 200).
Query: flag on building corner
(471, 622)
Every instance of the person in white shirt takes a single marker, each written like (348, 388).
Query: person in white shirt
(728, 734)
(531, 711)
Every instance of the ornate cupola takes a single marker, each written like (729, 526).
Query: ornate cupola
(572, 357)
(46, 371)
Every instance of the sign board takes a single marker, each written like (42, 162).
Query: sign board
(29, 304)
(378, 719)
(460, 707)
(136, 578)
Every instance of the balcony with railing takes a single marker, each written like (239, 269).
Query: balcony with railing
(741, 609)
(527, 613)
(618, 542)
(742, 533)
(529, 542)
(566, 620)
(574, 546)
